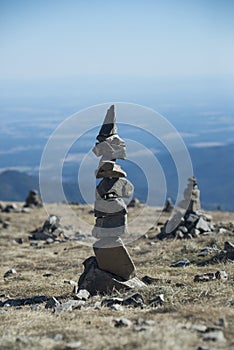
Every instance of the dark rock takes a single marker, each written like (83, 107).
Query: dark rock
(96, 280)
(221, 275)
(135, 300)
(109, 127)
(51, 224)
(156, 301)
(228, 246)
(52, 303)
(205, 277)
(9, 273)
(112, 301)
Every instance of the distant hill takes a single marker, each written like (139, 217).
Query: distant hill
(213, 167)
(15, 185)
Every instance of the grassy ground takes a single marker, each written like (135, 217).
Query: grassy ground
(176, 325)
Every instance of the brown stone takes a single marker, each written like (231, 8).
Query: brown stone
(112, 256)
(109, 169)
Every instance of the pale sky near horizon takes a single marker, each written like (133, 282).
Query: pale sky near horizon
(56, 39)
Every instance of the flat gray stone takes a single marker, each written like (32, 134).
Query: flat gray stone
(83, 294)
(112, 256)
(203, 225)
(181, 263)
(120, 187)
(112, 206)
(110, 226)
(216, 336)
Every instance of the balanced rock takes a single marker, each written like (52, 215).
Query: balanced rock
(110, 251)
(119, 187)
(110, 169)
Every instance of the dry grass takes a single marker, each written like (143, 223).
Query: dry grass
(186, 303)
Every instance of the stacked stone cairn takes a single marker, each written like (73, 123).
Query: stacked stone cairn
(33, 200)
(112, 264)
(193, 222)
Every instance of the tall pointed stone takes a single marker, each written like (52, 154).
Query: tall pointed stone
(109, 127)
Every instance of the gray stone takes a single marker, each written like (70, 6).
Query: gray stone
(83, 294)
(120, 187)
(110, 226)
(52, 303)
(117, 307)
(112, 256)
(135, 300)
(112, 206)
(228, 246)
(205, 277)
(9, 273)
(183, 229)
(40, 235)
(73, 345)
(181, 263)
(122, 322)
(112, 301)
(199, 328)
(207, 250)
(51, 224)
(195, 232)
(214, 336)
(109, 127)
(112, 148)
(202, 225)
(109, 169)
(221, 275)
(69, 306)
(156, 301)
(179, 234)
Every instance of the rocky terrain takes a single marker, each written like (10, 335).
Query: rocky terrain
(187, 301)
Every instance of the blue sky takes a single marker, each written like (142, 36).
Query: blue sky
(51, 39)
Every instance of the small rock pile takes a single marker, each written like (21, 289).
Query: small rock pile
(112, 266)
(33, 200)
(50, 231)
(194, 222)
